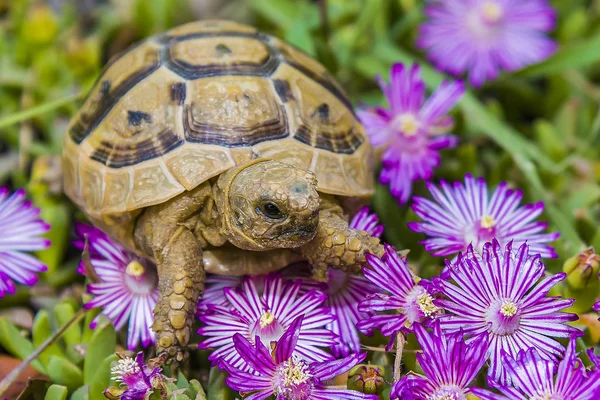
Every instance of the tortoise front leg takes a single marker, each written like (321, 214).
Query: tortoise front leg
(161, 232)
(336, 245)
(180, 281)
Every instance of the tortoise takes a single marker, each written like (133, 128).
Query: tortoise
(216, 148)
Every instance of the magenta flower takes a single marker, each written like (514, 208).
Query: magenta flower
(267, 315)
(139, 379)
(463, 215)
(213, 291)
(533, 377)
(411, 302)
(127, 291)
(367, 221)
(449, 364)
(285, 375)
(413, 130)
(21, 231)
(482, 37)
(500, 294)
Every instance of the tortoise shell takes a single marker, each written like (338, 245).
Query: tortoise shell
(185, 106)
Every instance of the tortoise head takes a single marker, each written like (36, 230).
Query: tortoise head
(268, 205)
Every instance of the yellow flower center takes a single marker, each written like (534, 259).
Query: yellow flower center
(407, 124)
(135, 268)
(295, 372)
(488, 222)
(266, 319)
(492, 11)
(292, 379)
(425, 303)
(508, 308)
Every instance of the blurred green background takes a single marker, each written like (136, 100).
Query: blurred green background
(538, 128)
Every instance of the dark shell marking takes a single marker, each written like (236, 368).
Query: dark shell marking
(117, 156)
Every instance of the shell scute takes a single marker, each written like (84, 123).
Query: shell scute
(233, 111)
(92, 185)
(141, 126)
(152, 183)
(123, 73)
(196, 163)
(218, 56)
(118, 187)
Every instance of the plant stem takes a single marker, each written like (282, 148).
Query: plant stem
(38, 110)
(400, 341)
(322, 4)
(10, 378)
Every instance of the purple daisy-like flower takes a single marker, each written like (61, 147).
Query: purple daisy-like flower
(449, 363)
(128, 287)
(500, 294)
(213, 291)
(464, 215)
(21, 231)
(284, 374)
(413, 130)
(533, 377)
(266, 316)
(139, 379)
(411, 302)
(367, 221)
(482, 37)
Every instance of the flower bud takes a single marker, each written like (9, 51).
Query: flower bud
(40, 26)
(366, 379)
(582, 270)
(113, 393)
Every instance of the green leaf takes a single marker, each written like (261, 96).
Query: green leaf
(63, 313)
(577, 55)
(279, 12)
(180, 396)
(81, 394)
(33, 112)
(299, 35)
(57, 214)
(102, 344)
(217, 388)
(182, 381)
(56, 392)
(386, 207)
(41, 331)
(12, 340)
(198, 390)
(87, 331)
(102, 378)
(63, 372)
(35, 390)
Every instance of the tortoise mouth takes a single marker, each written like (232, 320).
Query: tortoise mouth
(298, 235)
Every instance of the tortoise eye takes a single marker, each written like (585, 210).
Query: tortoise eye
(271, 210)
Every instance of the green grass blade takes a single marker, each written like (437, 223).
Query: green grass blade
(577, 55)
(38, 110)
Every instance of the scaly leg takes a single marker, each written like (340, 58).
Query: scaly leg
(336, 245)
(161, 233)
